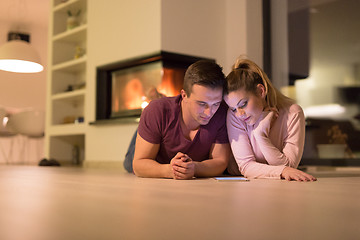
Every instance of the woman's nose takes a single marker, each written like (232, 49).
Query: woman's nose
(240, 113)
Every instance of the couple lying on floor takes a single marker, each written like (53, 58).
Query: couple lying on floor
(259, 134)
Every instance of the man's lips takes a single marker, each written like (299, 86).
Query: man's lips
(205, 118)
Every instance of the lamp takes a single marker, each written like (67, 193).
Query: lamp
(19, 56)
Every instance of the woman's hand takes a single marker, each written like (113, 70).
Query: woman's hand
(290, 173)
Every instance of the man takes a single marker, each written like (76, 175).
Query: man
(185, 136)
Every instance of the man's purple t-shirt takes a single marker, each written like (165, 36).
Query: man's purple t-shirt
(160, 124)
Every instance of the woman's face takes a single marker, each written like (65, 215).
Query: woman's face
(246, 106)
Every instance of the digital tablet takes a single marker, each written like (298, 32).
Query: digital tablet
(231, 179)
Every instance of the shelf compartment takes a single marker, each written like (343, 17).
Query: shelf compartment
(67, 110)
(60, 15)
(67, 95)
(65, 51)
(62, 80)
(62, 148)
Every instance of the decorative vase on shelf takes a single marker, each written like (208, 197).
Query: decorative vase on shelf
(72, 22)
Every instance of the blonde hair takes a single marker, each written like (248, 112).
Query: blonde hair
(247, 75)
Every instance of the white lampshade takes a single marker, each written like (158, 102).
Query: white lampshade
(19, 56)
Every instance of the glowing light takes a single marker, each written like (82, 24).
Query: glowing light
(19, 56)
(20, 66)
(324, 110)
(144, 104)
(5, 121)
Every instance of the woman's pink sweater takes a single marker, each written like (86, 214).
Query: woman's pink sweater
(264, 156)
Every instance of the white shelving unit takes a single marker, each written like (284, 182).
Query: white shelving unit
(67, 76)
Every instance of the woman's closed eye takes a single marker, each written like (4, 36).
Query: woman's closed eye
(243, 104)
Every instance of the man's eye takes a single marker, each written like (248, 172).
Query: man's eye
(217, 104)
(233, 109)
(202, 104)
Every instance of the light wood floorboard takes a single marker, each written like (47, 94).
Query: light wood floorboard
(50, 203)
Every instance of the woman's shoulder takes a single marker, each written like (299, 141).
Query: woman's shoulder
(291, 112)
(293, 109)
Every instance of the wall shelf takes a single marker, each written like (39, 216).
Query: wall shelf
(74, 35)
(67, 95)
(67, 70)
(60, 7)
(68, 129)
(72, 65)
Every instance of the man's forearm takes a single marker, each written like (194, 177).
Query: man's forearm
(210, 167)
(151, 168)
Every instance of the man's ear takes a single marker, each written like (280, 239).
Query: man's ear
(183, 93)
(261, 90)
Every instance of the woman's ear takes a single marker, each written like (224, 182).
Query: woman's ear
(261, 91)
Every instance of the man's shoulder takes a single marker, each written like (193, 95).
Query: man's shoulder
(222, 111)
(163, 104)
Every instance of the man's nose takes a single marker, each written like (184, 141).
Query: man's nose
(207, 111)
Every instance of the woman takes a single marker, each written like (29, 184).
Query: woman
(266, 129)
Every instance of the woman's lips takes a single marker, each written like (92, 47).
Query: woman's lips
(246, 119)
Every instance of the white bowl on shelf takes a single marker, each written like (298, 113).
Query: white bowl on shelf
(331, 150)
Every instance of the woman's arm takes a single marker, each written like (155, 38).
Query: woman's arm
(293, 144)
(244, 154)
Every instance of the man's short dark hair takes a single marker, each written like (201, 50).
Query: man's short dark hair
(205, 73)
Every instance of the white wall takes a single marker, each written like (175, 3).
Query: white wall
(223, 30)
(19, 90)
(254, 31)
(118, 30)
(194, 27)
(236, 30)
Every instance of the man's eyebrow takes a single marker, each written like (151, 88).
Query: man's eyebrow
(198, 101)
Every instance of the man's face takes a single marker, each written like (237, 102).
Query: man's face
(202, 103)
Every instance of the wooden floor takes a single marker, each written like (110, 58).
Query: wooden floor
(50, 203)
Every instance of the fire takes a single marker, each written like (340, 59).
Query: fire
(171, 83)
(139, 91)
(133, 93)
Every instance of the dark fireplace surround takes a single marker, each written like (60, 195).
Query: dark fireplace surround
(173, 67)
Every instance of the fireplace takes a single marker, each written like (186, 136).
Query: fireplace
(124, 88)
